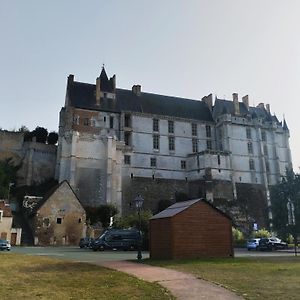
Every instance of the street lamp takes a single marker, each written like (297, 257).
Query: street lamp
(138, 204)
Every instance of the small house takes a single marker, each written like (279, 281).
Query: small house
(59, 218)
(190, 229)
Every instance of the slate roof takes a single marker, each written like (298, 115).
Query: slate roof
(181, 206)
(82, 95)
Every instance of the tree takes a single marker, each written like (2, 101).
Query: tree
(285, 199)
(41, 134)
(8, 175)
(52, 138)
(102, 214)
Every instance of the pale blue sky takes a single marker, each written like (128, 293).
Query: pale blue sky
(184, 48)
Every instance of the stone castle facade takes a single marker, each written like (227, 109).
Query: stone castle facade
(115, 144)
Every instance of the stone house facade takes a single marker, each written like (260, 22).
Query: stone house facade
(58, 219)
(115, 144)
(7, 232)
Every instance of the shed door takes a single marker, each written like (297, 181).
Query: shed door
(13, 239)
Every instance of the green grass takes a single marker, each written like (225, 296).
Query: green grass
(253, 278)
(31, 277)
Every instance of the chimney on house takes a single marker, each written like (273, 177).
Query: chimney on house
(98, 94)
(70, 79)
(268, 108)
(236, 106)
(137, 90)
(114, 83)
(245, 100)
(208, 101)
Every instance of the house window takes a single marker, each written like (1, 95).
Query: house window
(1, 214)
(208, 144)
(194, 129)
(93, 122)
(183, 164)
(86, 121)
(251, 164)
(248, 133)
(156, 125)
(127, 159)
(127, 138)
(111, 122)
(153, 162)
(171, 143)
(263, 136)
(170, 126)
(265, 150)
(250, 148)
(127, 120)
(156, 142)
(79, 220)
(208, 131)
(76, 120)
(46, 222)
(58, 220)
(194, 145)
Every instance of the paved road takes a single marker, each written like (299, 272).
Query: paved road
(87, 255)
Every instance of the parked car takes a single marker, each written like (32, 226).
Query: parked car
(252, 244)
(124, 239)
(5, 245)
(272, 243)
(85, 242)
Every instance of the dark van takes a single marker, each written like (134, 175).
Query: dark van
(124, 239)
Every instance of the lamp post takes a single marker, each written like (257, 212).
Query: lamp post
(138, 204)
(9, 186)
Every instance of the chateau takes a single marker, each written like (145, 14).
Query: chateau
(115, 144)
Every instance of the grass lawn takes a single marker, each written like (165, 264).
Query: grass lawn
(32, 277)
(253, 278)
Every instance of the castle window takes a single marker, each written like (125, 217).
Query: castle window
(156, 142)
(58, 220)
(208, 131)
(251, 164)
(127, 159)
(79, 220)
(263, 136)
(265, 150)
(194, 145)
(248, 133)
(156, 125)
(183, 164)
(170, 126)
(127, 138)
(267, 166)
(219, 160)
(171, 143)
(194, 129)
(250, 148)
(208, 144)
(111, 122)
(127, 120)
(153, 162)
(46, 222)
(86, 121)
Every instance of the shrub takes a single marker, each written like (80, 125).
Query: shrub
(262, 233)
(238, 237)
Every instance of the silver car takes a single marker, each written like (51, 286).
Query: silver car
(5, 245)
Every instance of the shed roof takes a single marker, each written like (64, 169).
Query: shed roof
(181, 206)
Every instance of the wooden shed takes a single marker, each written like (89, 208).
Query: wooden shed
(190, 229)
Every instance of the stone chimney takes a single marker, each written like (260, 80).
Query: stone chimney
(137, 90)
(236, 106)
(268, 108)
(245, 100)
(208, 101)
(114, 83)
(98, 94)
(70, 79)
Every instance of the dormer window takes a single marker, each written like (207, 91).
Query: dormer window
(86, 121)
